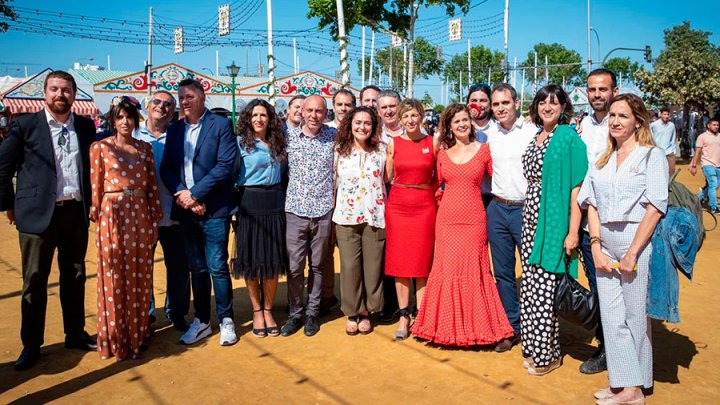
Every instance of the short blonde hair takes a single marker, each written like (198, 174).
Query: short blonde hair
(410, 104)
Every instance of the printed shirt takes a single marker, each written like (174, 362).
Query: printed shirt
(507, 148)
(258, 167)
(158, 148)
(310, 166)
(710, 144)
(361, 188)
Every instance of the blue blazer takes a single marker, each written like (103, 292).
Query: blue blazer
(214, 169)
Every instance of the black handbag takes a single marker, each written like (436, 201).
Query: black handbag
(574, 302)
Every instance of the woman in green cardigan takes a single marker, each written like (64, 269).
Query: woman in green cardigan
(555, 165)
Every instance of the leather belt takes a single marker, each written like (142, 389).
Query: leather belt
(509, 202)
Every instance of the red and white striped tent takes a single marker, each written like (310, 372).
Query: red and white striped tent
(29, 97)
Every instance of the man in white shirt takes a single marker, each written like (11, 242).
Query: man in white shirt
(508, 139)
(663, 132)
(601, 87)
(343, 102)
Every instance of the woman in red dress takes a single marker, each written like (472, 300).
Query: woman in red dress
(461, 305)
(410, 211)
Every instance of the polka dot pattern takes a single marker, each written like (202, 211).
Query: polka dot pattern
(126, 229)
(539, 325)
(461, 305)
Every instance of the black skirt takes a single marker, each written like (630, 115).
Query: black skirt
(261, 252)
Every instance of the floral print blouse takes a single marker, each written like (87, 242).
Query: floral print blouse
(360, 188)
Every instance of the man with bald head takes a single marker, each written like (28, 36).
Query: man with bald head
(308, 208)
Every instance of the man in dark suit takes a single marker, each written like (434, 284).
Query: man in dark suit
(198, 166)
(49, 152)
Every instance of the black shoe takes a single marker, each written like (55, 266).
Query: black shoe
(83, 341)
(292, 325)
(180, 324)
(389, 317)
(595, 364)
(326, 305)
(27, 359)
(311, 326)
(507, 343)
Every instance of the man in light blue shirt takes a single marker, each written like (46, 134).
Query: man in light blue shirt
(663, 132)
(154, 131)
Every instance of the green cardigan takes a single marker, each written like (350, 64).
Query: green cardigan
(564, 168)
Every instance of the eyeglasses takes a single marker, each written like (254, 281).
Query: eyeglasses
(157, 101)
(64, 138)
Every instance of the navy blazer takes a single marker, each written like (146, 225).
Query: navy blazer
(28, 151)
(214, 169)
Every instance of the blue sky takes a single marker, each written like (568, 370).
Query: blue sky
(619, 24)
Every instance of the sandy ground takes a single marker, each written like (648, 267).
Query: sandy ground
(334, 368)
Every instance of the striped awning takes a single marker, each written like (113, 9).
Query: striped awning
(24, 105)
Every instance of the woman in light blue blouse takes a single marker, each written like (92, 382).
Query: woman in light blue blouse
(625, 194)
(260, 231)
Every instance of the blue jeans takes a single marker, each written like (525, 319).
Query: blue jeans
(586, 251)
(177, 297)
(504, 225)
(206, 249)
(712, 175)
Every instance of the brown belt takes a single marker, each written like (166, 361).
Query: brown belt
(420, 186)
(131, 192)
(509, 202)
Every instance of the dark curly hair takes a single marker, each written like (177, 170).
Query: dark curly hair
(445, 135)
(274, 135)
(345, 139)
(130, 109)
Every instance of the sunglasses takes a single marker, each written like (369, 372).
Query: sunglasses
(64, 138)
(166, 104)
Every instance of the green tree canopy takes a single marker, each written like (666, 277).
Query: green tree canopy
(426, 62)
(622, 66)
(6, 12)
(482, 60)
(557, 54)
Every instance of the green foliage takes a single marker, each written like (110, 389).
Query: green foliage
(439, 108)
(427, 100)
(556, 54)
(622, 66)
(6, 11)
(426, 62)
(481, 59)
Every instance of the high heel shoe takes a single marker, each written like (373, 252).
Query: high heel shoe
(271, 331)
(259, 332)
(402, 334)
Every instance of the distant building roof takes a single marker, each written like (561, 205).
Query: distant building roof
(97, 76)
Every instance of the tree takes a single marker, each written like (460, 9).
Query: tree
(6, 11)
(392, 16)
(622, 67)
(557, 54)
(427, 100)
(482, 59)
(687, 73)
(426, 62)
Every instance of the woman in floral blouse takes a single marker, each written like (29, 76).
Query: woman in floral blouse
(360, 217)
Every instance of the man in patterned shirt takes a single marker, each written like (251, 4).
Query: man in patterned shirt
(308, 208)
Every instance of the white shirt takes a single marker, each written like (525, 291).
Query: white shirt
(332, 124)
(192, 133)
(506, 149)
(67, 158)
(595, 135)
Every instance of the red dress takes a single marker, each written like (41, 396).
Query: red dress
(461, 305)
(410, 212)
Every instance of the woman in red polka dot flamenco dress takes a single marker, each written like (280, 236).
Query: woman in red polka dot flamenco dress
(461, 305)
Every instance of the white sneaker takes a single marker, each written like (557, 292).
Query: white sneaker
(227, 332)
(196, 332)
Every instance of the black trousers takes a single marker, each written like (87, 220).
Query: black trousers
(68, 234)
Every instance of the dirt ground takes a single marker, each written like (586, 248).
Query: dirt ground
(333, 367)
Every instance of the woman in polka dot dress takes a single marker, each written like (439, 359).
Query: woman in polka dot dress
(461, 305)
(126, 210)
(554, 164)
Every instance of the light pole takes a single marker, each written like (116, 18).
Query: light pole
(597, 36)
(233, 72)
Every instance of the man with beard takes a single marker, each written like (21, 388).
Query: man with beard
(343, 102)
(601, 87)
(294, 113)
(478, 101)
(50, 210)
(161, 109)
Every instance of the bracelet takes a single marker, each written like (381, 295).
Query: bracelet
(594, 240)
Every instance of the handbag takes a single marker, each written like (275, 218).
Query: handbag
(574, 302)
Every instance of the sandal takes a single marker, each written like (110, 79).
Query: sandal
(260, 332)
(402, 334)
(364, 326)
(271, 330)
(351, 325)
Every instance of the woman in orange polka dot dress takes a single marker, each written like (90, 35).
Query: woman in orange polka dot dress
(461, 306)
(126, 210)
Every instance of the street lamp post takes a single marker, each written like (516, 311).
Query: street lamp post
(233, 72)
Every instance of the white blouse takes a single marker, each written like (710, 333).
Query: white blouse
(360, 188)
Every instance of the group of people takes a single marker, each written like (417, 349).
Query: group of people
(411, 214)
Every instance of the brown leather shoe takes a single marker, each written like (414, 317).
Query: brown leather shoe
(507, 344)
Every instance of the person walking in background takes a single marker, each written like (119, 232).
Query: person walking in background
(508, 140)
(663, 133)
(126, 210)
(461, 305)
(360, 217)
(261, 226)
(554, 164)
(626, 194)
(707, 151)
(49, 151)
(411, 209)
(199, 168)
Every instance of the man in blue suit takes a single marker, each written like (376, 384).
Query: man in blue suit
(198, 166)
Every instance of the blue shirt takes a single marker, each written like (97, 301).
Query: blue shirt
(158, 147)
(664, 136)
(192, 133)
(258, 167)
